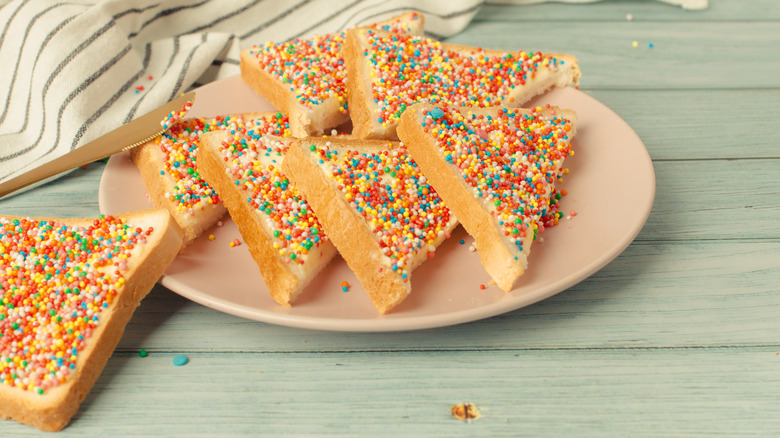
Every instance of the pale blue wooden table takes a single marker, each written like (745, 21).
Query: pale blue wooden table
(680, 335)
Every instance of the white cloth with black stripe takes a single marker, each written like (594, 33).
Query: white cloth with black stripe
(73, 71)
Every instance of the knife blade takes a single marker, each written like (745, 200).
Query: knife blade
(127, 136)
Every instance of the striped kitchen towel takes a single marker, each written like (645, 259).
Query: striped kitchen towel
(75, 70)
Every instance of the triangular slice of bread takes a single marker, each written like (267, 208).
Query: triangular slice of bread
(496, 169)
(305, 78)
(388, 73)
(376, 207)
(280, 229)
(169, 169)
(70, 286)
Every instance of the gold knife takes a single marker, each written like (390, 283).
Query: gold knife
(127, 136)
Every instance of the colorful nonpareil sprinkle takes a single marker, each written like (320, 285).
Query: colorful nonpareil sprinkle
(180, 360)
(180, 144)
(56, 281)
(408, 69)
(388, 190)
(254, 162)
(313, 68)
(511, 160)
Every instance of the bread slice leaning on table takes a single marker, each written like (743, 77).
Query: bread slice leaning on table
(70, 286)
(170, 171)
(496, 169)
(305, 78)
(275, 221)
(376, 207)
(388, 73)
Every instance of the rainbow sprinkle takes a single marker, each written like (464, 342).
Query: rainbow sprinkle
(56, 280)
(511, 160)
(409, 69)
(388, 190)
(180, 143)
(254, 162)
(312, 68)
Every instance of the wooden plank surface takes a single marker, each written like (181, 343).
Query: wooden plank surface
(678, 336)
(685, 55)
(634, 392)
(631, 303)
(640, 10)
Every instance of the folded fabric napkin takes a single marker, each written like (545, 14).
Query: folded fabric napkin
(73, 71)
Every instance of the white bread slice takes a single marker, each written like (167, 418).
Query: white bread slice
(305, 78)
(245, 169)
(168, 166)
(496, 169)
(388, 73)
(376, 207)
(46, 304)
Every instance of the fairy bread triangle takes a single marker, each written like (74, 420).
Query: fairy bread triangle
(376, 207)
(496, 169)
(69, 288)
(282, 233)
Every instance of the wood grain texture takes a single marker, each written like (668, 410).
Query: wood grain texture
(640, 10)
(649, 297)
(699, 124)
(685, 55)
(551, 393)
(678, 336)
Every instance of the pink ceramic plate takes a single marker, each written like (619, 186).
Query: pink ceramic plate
(611, 188)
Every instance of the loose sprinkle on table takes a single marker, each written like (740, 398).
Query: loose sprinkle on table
(180, 360)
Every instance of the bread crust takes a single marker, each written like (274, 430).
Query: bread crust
(53, 410)
(347, 229)
(285, 280)
(363, 108)
(501, 259)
